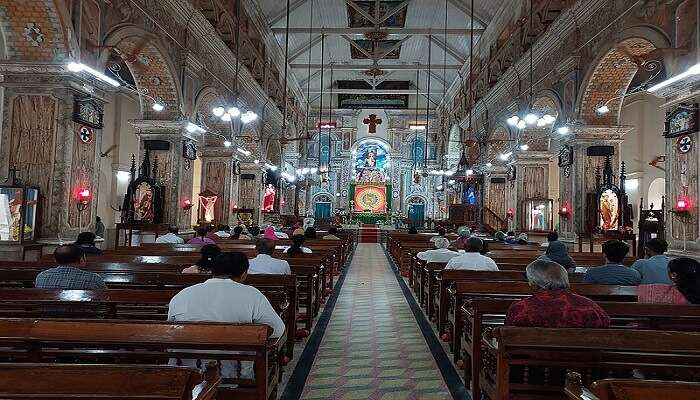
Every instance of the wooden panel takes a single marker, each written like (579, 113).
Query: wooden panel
(82, 170)
(32, 144)
(249, 193)
(214, 180)
(497, 198)
(165, 178)
(534, 185)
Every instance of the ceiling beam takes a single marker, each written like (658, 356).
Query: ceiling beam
(362, 67)
(294, 54)
(466, 10)
(390, 31)
(362, 12)
(303, 82)
(446, 47)
(367, 91)
(275, 19)
(396, 46)
(358, 47)
(394, 11)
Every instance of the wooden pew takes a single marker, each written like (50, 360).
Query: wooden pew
(629, 389)
(132, 296)
(66, 381)
(148, 343)
(483, 313)
(595, 352)
(462, 291)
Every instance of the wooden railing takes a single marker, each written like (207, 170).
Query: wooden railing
(493, 222)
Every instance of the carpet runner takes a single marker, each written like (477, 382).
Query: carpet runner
(373, 349)
(369, 234)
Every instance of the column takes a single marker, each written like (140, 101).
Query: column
(578, 179)
(531, 182)
(166, 141)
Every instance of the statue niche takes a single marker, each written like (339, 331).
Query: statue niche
(143, 201)
(607, 208)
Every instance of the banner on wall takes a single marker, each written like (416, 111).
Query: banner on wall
(370, 198)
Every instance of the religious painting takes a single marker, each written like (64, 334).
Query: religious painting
(609, 210)
(207, 201)
(87, 111)
(370, 198)
(357, 20)
(537, 214)
(375, 47)
(566, 156)
(189, 150)
(381, 101)
(10, 213)
(682, 121)
(511, 172)
(269, 198)
(143, 203)
(371, 158)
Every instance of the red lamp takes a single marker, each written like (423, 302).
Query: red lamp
(682, 206)
(186, 204)
(565, 211)
(84, 195)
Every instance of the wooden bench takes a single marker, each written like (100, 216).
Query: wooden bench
(462, 291)
(629, 389)
(513, 355)
(149, 343)
(66, 381)
(125, 300)
(483, 313)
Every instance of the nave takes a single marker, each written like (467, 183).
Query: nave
(372, 347)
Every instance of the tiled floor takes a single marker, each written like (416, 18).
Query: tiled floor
(373, 348)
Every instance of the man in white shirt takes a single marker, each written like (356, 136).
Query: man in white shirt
(441, 254)
(264, 263)
(223, 231)
(171, 236)
(224, 298)
(472, 259)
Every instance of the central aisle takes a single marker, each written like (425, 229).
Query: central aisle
(373, 348)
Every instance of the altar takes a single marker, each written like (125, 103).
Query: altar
(370, 191)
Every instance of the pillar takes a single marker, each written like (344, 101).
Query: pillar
(217, 176)
(531, 182)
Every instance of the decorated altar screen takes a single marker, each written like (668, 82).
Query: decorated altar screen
(370, 198)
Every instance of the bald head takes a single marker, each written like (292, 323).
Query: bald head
(474, 245)
(442, 243)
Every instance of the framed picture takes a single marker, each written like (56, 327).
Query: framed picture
(87, 111)
(511, 172)
(682, 121)
(189, 150)
(566, 156)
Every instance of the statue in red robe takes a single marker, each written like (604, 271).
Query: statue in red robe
(269, 198)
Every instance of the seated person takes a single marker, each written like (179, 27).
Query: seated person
(280, 234)
(86, 241)
(473, 259)
(464, 234)
(254, 232)
(201, 237)
(684, 274)
(171, 236)
(264, 263)
(441, 232)
(238, 234)
(270, 233)
(441, 253)
(99, 227)
(500, 236)
(223, 231)
(310, 233)
(654, 269)
(551, 237)
(297, 246)
(67, 275)
(208, 253)
(552, 304)
(521, 239)
(211, 234)
(614, 272)
(412, 230)
(332, 231)
(558, 252)
(224, 298)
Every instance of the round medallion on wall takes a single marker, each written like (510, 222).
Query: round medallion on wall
(685, 144)
(86, 134)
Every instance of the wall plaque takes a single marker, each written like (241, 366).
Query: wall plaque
(682, 121)
(87, 111)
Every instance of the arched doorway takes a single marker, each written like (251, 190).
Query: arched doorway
(657, 190)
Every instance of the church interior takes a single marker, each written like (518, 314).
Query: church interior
(350, 199)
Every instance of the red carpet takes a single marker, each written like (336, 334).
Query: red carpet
(369, 234)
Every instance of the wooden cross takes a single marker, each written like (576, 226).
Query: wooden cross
(372, 121)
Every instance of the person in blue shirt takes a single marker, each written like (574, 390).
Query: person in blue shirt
(654, 268)
(614, 272)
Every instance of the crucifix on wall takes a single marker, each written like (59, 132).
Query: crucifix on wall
(372, 121)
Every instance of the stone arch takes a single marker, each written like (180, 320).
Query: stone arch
(274, 152)
(537, 137)
(35, 31)
(151, 68)
(205, 101)
(495, 146)
(454, 147)
(609, 78)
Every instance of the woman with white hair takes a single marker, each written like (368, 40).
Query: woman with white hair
(440, 254)
(553, 305)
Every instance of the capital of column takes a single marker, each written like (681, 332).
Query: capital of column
(153, 129)
(597, 133)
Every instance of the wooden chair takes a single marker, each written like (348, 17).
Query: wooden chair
(113, 382)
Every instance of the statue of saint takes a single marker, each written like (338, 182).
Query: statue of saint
(269, 198)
